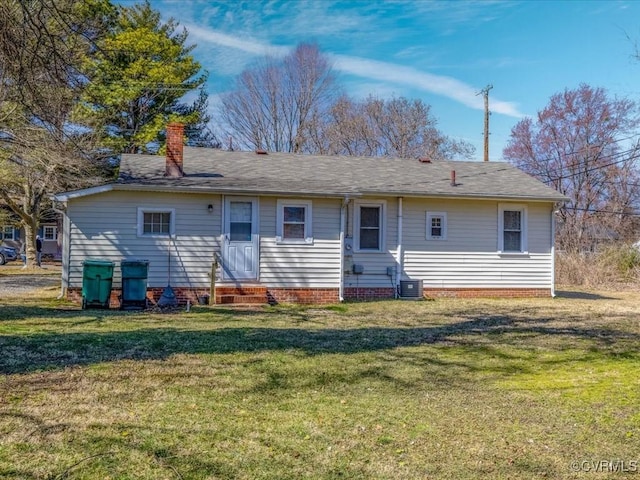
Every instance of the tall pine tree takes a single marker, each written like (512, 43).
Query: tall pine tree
(138, 77)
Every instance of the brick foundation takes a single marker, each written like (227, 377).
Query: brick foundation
(487, 292)
(306, 296)
(313, 296)
(231, 295)
(153, 295)
(368, 294)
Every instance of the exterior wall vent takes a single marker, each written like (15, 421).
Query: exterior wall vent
(411, 289)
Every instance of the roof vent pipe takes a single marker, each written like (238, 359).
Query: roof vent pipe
(453, 178)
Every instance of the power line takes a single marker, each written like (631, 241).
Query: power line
(585, 148)
(609, 212)
(591, 169)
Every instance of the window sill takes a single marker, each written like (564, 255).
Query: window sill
(294, 242)
(514, 254)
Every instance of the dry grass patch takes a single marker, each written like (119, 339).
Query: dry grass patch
(441, 389)
(16, 268)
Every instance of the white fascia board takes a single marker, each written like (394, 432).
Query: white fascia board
(471, 196)
(66, 196)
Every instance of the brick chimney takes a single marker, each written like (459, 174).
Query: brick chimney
(175, 134)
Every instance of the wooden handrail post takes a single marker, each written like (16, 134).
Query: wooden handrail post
(214, 269)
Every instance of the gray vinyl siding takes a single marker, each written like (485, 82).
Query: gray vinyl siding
(467, 270)
(469, 257)
(286, 265)
(104, 226)
(374, 263)
(471, 226)
(540, 241)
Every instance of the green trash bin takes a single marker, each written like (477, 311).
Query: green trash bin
(134, 284)
(97, 277)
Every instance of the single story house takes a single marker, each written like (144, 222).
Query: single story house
(49, 232)
(282, 227)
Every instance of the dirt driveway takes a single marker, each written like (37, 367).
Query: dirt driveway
(14, 282)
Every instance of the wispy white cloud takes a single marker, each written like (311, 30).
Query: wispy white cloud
(245, 45)
(229, 54)
(440, 85)
(372, 70)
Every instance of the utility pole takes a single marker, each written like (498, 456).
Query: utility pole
(485, 93)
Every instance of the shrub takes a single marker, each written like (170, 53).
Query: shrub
(610, 266)
(625, 259)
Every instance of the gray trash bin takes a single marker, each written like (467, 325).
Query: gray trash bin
(134, 284)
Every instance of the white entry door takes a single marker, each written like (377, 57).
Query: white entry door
(240, 252)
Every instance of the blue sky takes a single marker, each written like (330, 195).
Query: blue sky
(442, 52)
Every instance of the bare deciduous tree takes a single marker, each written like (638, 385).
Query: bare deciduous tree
(292, 105)
(398, 127)
(580, 145)
(35, 163)
(42, 47)
(275, 103)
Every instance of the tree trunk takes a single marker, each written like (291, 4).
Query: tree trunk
(30, 229)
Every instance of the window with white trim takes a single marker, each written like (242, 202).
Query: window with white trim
(156, 222)
(49, 233)
(8, 233)
(512, 228)
(436, 226)
(293, 222)
(369, 226)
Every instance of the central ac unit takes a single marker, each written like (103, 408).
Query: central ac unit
(411, 289)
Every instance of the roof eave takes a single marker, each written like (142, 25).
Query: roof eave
(85, 192)
(468, 196)
(65, 197)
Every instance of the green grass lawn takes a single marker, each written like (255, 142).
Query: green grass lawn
(457, 389)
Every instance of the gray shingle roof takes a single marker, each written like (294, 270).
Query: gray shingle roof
(280, 173)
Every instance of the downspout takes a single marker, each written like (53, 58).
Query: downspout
(343, 219)
(66, 249)
(399, 254)
(553, 253)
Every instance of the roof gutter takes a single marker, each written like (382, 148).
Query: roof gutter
(470, 196)
(63, 197)
(66, 196)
